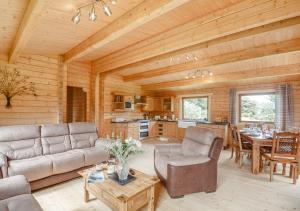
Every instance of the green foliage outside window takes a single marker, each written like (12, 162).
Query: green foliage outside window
(195, 108)
(257, 107)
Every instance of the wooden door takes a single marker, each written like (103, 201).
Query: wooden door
(153, 129)
(171, 129)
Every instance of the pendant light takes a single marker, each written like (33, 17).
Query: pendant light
(76, 17)
(92, 14)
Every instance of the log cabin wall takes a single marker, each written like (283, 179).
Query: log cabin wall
(79, 75)
(220, 97)
(51, 78)
(43, 108)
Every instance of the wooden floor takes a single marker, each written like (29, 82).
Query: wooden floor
(237, 190)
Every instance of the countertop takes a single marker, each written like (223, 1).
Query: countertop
(163, 120)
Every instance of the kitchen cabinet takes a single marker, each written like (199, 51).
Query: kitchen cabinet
(153, 129)
(180, 133)
(157, 104)
(149, 104)
(168, 104)
(125, 130)
(170, 129)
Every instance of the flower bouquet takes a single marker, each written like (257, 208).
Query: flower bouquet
(121, 151)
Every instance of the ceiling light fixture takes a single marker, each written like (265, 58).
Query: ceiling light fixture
(76, 17)
(114, 2)
(92, 14)
(199, 73)
(106, 9)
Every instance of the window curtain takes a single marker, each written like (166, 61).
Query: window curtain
(284, 107)
(232, 106)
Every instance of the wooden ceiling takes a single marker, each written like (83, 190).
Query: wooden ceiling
(156, 44)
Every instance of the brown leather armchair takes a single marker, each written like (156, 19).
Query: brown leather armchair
(191, 166)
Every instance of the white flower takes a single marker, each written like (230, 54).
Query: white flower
(138, 144)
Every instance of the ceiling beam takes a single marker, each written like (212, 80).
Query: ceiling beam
(138, 16)
(238, 17)
(26, 28)
(198, 47)
(250, 53)
(275, 71)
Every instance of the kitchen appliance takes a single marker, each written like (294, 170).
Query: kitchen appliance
(143, 129)
(128, 103)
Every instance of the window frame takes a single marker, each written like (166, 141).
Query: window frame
(193, 97)
(251, 94)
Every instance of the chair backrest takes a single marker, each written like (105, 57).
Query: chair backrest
(55, 138)
(238, 138)
(233, 135)
(83, 134)
(285, 144)
(197, 141)
(20, 141)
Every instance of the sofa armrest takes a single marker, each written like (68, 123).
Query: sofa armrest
(3, 165)
(168, 148)
(13, 186)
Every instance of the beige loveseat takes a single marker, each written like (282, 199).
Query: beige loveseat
(50, 153)
(15, 195)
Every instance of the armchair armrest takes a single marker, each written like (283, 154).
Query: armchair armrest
(13, 186)
(168, 148)
(189, 160)
(3, 165)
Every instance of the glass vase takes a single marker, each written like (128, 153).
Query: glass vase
(122, 170)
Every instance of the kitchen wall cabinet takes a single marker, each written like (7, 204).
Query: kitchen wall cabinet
(167, 104)
(157, 104)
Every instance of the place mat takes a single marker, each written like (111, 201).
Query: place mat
(115, 178)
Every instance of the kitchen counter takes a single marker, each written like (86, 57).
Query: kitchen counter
(164, 120)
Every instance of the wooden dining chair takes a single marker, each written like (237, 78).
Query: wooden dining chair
(234, 143)
(284, 151)
(245, 149)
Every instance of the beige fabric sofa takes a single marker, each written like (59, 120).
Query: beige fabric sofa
(15, 195)
(191, 166)
(50, 153)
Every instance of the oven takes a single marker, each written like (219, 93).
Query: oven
(143, 129)
(128, 105)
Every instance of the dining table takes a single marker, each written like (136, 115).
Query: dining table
(257, 141)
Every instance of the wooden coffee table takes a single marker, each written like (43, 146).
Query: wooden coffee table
(131, 196)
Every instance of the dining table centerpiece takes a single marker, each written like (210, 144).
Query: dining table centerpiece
(121, 150)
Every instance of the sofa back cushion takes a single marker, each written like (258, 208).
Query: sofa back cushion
(197, 141)
(20, 141)
(55, 138)
(83, 135)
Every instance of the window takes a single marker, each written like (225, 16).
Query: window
(195, 108)
(258, 107)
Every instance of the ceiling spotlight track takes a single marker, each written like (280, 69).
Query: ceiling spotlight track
(199, 73)
(92, 14)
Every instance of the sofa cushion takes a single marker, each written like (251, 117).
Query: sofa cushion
(12, 186)
(66, 161)
(82, 135)
(32, 168)
(55, 138)
(94, 155)
(20, 203)
(197, 141)
(20, 141)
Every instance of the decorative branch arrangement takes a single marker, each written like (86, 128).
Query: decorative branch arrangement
(13, 84)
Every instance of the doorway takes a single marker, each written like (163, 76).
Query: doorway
(76, 104)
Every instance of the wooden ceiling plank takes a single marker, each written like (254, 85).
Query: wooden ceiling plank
(138, 16)
(26, 28)
(251, 53)
(222, 23)
(275, 71)
(194, 48)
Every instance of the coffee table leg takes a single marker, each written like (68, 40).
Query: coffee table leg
(151, 199)
(85, 192)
